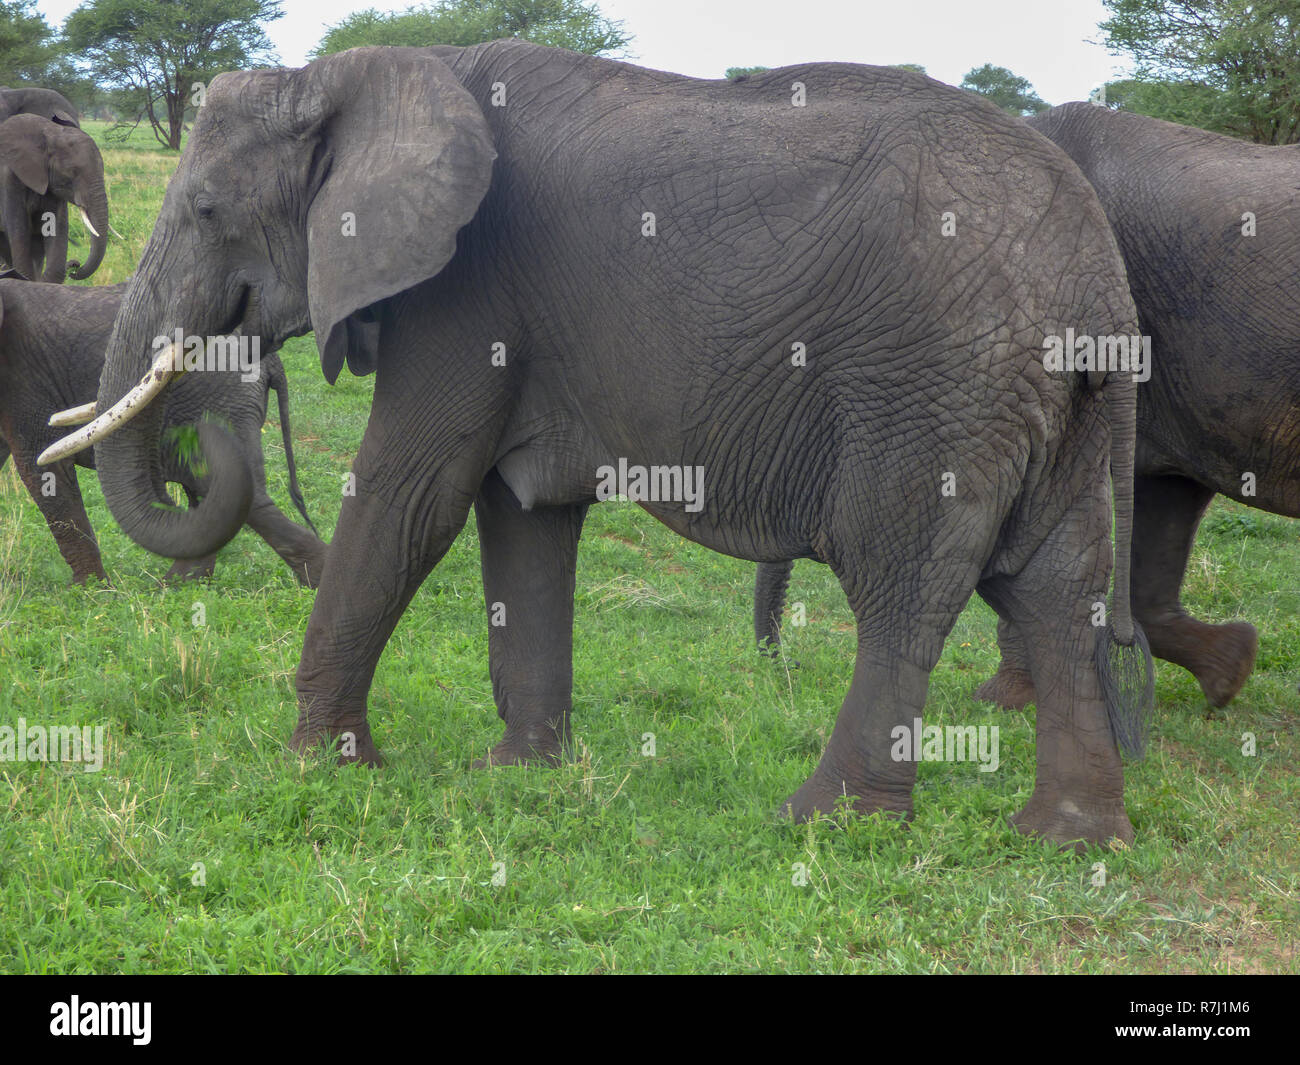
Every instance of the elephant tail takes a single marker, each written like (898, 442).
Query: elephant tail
(770, 584)
(1123, 656)
(277, 380)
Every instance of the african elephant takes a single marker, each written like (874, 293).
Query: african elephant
(784, 314)
(1209, 228)
(36, 101)
(52, 341)
(44, 166)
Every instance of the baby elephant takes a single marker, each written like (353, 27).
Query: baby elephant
(52, 343)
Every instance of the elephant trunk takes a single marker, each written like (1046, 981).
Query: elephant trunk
(93, 200)
(129, 460)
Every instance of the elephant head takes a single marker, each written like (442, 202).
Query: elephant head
(258, 233)
(60, 162)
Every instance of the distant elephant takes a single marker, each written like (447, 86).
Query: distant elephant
(1209, 228)
(784, 314)
(52, 341)
(44, 166)
(36, 101)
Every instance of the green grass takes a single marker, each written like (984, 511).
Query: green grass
(617, 862)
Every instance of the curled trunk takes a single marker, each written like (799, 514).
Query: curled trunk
(95, 203)
(129, 460)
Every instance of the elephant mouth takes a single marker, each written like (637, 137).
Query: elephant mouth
(245, 318)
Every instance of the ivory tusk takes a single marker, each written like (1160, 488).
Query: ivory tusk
(126, 408)
(85, 218)
(115, 232)
(73, 415)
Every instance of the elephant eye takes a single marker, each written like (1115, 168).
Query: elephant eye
(205, 211)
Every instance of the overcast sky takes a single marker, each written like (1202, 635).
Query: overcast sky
(1045, 41)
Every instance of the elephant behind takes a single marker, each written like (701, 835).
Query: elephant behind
(1209, 228)
(819, 296)
(44, 166)
(34, 100)
(52, 341)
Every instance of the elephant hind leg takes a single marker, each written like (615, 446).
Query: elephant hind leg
(302, 551)
(1012, 687)
(58, 496)
(902, 624)
(770, 584)
(1167, 511)
(1078, 793)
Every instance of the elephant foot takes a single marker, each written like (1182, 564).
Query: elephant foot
(308, 567)
(819, 797)
(533, 747)
(81, 577)
(1221, 657)
(190, 569)
(1228, 662)
(309, 573)
(1073, 823)
(1011, 689)
(352, 743)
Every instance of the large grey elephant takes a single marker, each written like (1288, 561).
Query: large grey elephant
(1209, 228)
(52, 342)
(44, 166)
(37, 101)
(800, 315)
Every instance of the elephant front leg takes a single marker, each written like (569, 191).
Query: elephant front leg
(529, 564)
(56, 248)
(20, 245)
(1166, 513)
(383, 548)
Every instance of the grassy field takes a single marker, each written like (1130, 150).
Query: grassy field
(201, 847)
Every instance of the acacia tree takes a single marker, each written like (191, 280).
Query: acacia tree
(27, 48)
(1227, 65)
(31, 54)
(1009, 91)
(154, 52)
(573, 24)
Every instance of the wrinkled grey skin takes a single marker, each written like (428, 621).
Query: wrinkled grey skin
(36, 101)
(775, 225)
(52, 341)
(44, 166)
(1224, 395)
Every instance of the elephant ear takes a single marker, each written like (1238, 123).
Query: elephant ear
(24, 155)
(404, 158)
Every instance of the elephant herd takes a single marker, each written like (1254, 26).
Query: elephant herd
(53, 338)
(872, 319)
